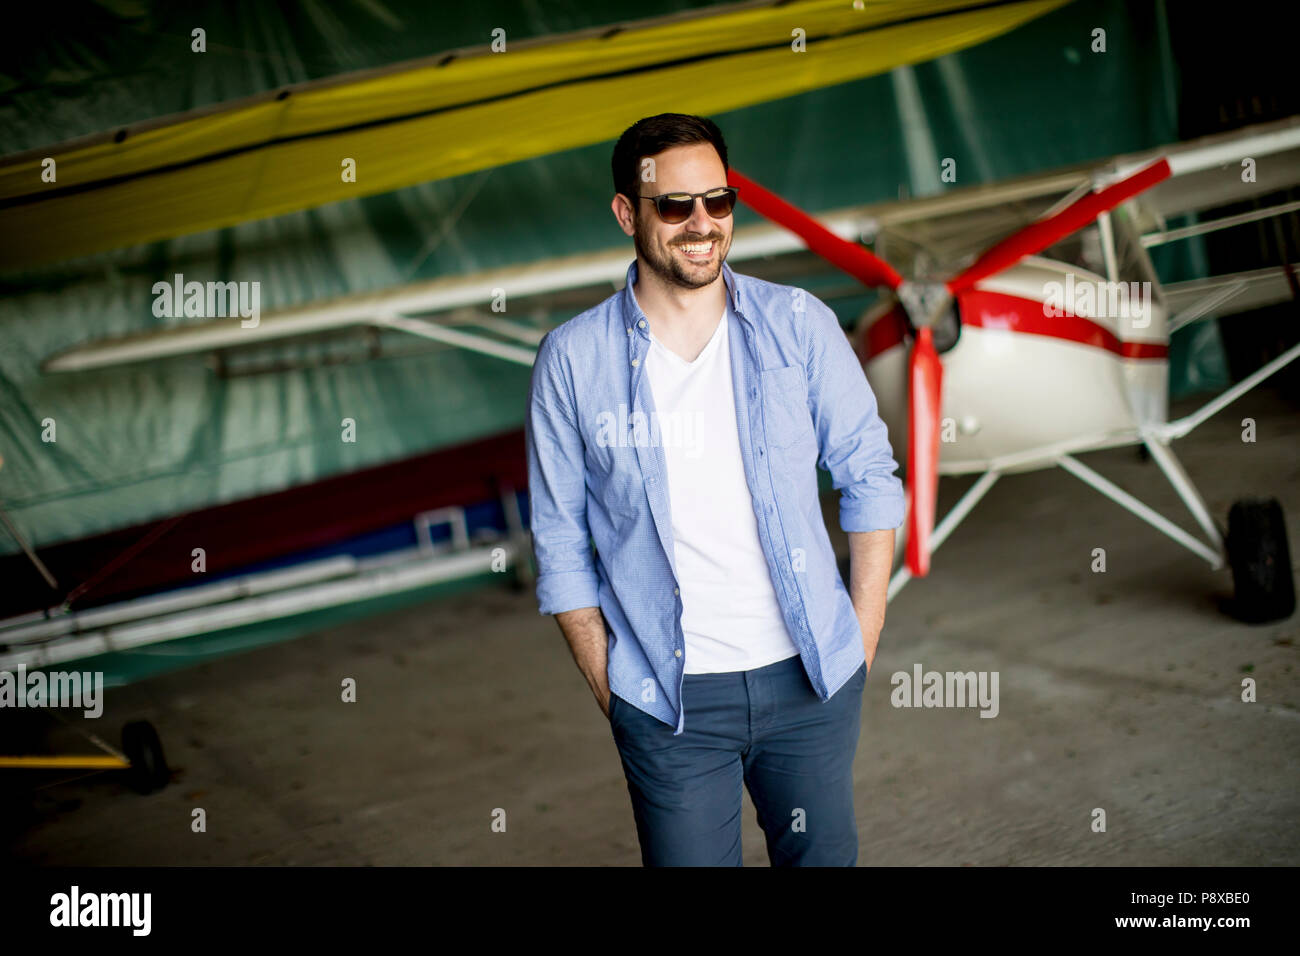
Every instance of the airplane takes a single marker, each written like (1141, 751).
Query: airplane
(994, 357)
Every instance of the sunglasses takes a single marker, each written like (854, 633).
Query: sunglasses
(678, 207)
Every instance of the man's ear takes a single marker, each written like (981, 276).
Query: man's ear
(623, 212)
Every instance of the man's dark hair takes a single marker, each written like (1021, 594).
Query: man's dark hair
(651, 136)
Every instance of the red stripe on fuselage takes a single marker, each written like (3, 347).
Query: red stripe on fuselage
(982, 309)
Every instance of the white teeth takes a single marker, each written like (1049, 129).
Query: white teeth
(698, 247)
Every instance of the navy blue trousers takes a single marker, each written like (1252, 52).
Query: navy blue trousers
(766, 727)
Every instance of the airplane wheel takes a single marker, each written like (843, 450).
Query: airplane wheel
(1263, 588)
(142, 747)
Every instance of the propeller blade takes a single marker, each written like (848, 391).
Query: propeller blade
(870, 269)
(1038, 236)
(925, 375)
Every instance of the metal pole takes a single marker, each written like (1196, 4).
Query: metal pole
(22, 543)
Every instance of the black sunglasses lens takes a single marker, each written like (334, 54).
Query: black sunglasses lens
(719, 204)
(673, 209)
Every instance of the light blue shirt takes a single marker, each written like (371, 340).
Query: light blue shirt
(596, 474)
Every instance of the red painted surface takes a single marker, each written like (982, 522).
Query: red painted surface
(1037, 236)
(261, 529)
(853, 258)
(925, 397)
(981, 309)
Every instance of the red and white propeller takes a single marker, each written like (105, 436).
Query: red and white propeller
(925, 371)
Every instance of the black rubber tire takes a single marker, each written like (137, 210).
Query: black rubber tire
(142, 747)
(1263, 586)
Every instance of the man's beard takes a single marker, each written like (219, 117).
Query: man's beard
(671, 269)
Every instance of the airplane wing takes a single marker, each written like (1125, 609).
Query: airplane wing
(289, 149)
(1228, 294)
(432, 309)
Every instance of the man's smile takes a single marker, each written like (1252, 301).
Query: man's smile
(697, 251)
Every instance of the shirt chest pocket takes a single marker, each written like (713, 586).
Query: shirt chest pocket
(786, 419)
(613, 470)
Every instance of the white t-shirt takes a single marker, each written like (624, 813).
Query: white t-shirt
(730, 616)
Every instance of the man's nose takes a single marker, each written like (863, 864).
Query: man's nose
(700, 223)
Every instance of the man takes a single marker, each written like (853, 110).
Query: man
(678, 425)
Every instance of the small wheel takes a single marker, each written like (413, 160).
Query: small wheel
(142, 747)
(1263, 588)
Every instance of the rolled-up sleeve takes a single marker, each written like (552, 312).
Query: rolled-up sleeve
(557, 489)
(853, 442)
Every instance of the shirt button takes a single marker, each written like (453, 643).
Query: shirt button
(676, 591)
(636, 361)
(641, 323)
(677, 653)
(629, 330)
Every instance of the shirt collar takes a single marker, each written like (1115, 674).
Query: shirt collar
(632, 313)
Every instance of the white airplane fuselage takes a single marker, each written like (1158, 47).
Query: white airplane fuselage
(1050, 358)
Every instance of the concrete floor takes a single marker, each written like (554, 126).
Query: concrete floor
(1118, 690)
